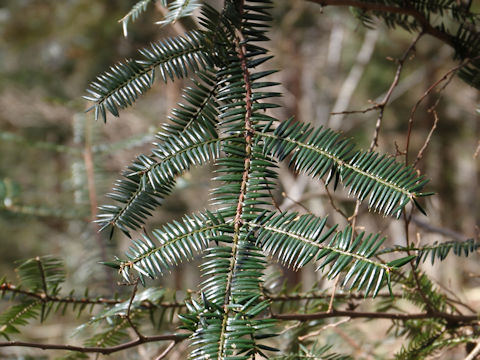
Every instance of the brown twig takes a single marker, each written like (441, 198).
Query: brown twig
(332, 297)
(323, 328)
(427, 140)
(307, 296)
(446, 77)
(298, 203)
(274, 202)
(353, 218)
(332, 203)
(8, 287)
(249, 132)
(167, 350)
(94, 349)
(351, 112)
(129, 309)
(452, 318)
(389, 93)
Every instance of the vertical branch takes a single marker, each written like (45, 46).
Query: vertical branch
(129, 311)
(249, 132)
(389, 93)
(427, 140)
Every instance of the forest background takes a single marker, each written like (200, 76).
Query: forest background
(57, 163)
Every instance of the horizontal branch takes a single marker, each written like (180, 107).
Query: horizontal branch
(404, 10)
(100, 350)
(7, 287)
(318, 296)
(452, 318)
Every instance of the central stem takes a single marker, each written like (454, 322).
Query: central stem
(249, 131)
(248, 134)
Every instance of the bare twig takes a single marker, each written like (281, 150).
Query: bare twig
(389, 93)
(427, 140)
(362, 111)
(452, 318)
(284, 194)
(167, 350)
(446, 77)
(332, 297)
(353, 218)
(93, 349)
(309, 296)
(8, 287)
(274, 202)
(332, 202)
(319, 331)
(129, 308)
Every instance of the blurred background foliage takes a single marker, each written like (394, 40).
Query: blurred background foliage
(57, 164)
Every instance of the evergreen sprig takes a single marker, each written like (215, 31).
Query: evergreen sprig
(178, 9)
(137, 9)
(125, 82)
(296, 240)
(320, 152)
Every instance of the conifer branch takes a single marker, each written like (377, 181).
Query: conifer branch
(427, 28)
(451, 318)
(7, 287)
(94, 349)
(249, 132)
